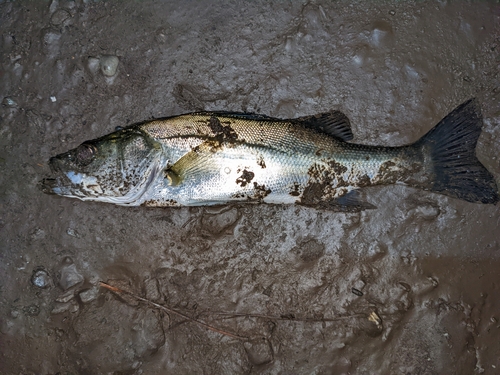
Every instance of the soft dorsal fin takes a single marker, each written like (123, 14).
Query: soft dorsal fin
(333, 123)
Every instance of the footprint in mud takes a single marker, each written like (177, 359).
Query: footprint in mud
(99, 330)
(309, 250)
(259, 351)
(219, 223)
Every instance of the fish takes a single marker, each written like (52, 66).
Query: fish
(220, 158)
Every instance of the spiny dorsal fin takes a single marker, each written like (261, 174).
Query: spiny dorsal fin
(333, 123)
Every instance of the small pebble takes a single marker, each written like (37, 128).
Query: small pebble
(60, 308)
(9, 102)
(93, 64)
(72, 232)
(40, 278)
(65, 297)
(70, 277)
(53, 6)
(73, 307)
(109, 65)
(88, 295)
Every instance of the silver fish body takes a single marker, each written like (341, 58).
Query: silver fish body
(212, 158)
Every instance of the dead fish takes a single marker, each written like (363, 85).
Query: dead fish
(209, 158)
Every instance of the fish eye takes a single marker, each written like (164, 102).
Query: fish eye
(85, 154)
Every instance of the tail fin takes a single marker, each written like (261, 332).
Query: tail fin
(451, 145)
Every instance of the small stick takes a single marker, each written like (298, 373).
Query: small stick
(273, 317)
(172, 311)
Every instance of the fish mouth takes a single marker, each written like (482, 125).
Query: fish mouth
(58, 183)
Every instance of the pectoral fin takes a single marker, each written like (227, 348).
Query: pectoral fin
(194, 165)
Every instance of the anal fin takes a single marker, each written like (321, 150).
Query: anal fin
(350, 202)
(354, 200)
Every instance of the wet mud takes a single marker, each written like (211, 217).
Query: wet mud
(408, 288)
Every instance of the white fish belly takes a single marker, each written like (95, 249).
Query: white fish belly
(258, 174)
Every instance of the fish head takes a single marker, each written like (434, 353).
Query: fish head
(117, 168)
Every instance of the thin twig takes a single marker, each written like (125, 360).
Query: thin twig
(274, 317)
(172, 311)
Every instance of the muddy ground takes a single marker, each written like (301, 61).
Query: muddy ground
(409, 288)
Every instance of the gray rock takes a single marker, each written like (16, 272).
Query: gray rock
(109, 65)
(70, 277)
(9, 102)
(66, 297)
(88, 295)
(40, 278)
(72, 232)
(59, 308)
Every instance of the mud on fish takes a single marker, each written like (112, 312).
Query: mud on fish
(209, 158)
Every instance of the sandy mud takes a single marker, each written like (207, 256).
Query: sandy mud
(411, 287)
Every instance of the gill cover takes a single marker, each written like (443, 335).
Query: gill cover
(117, 168)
